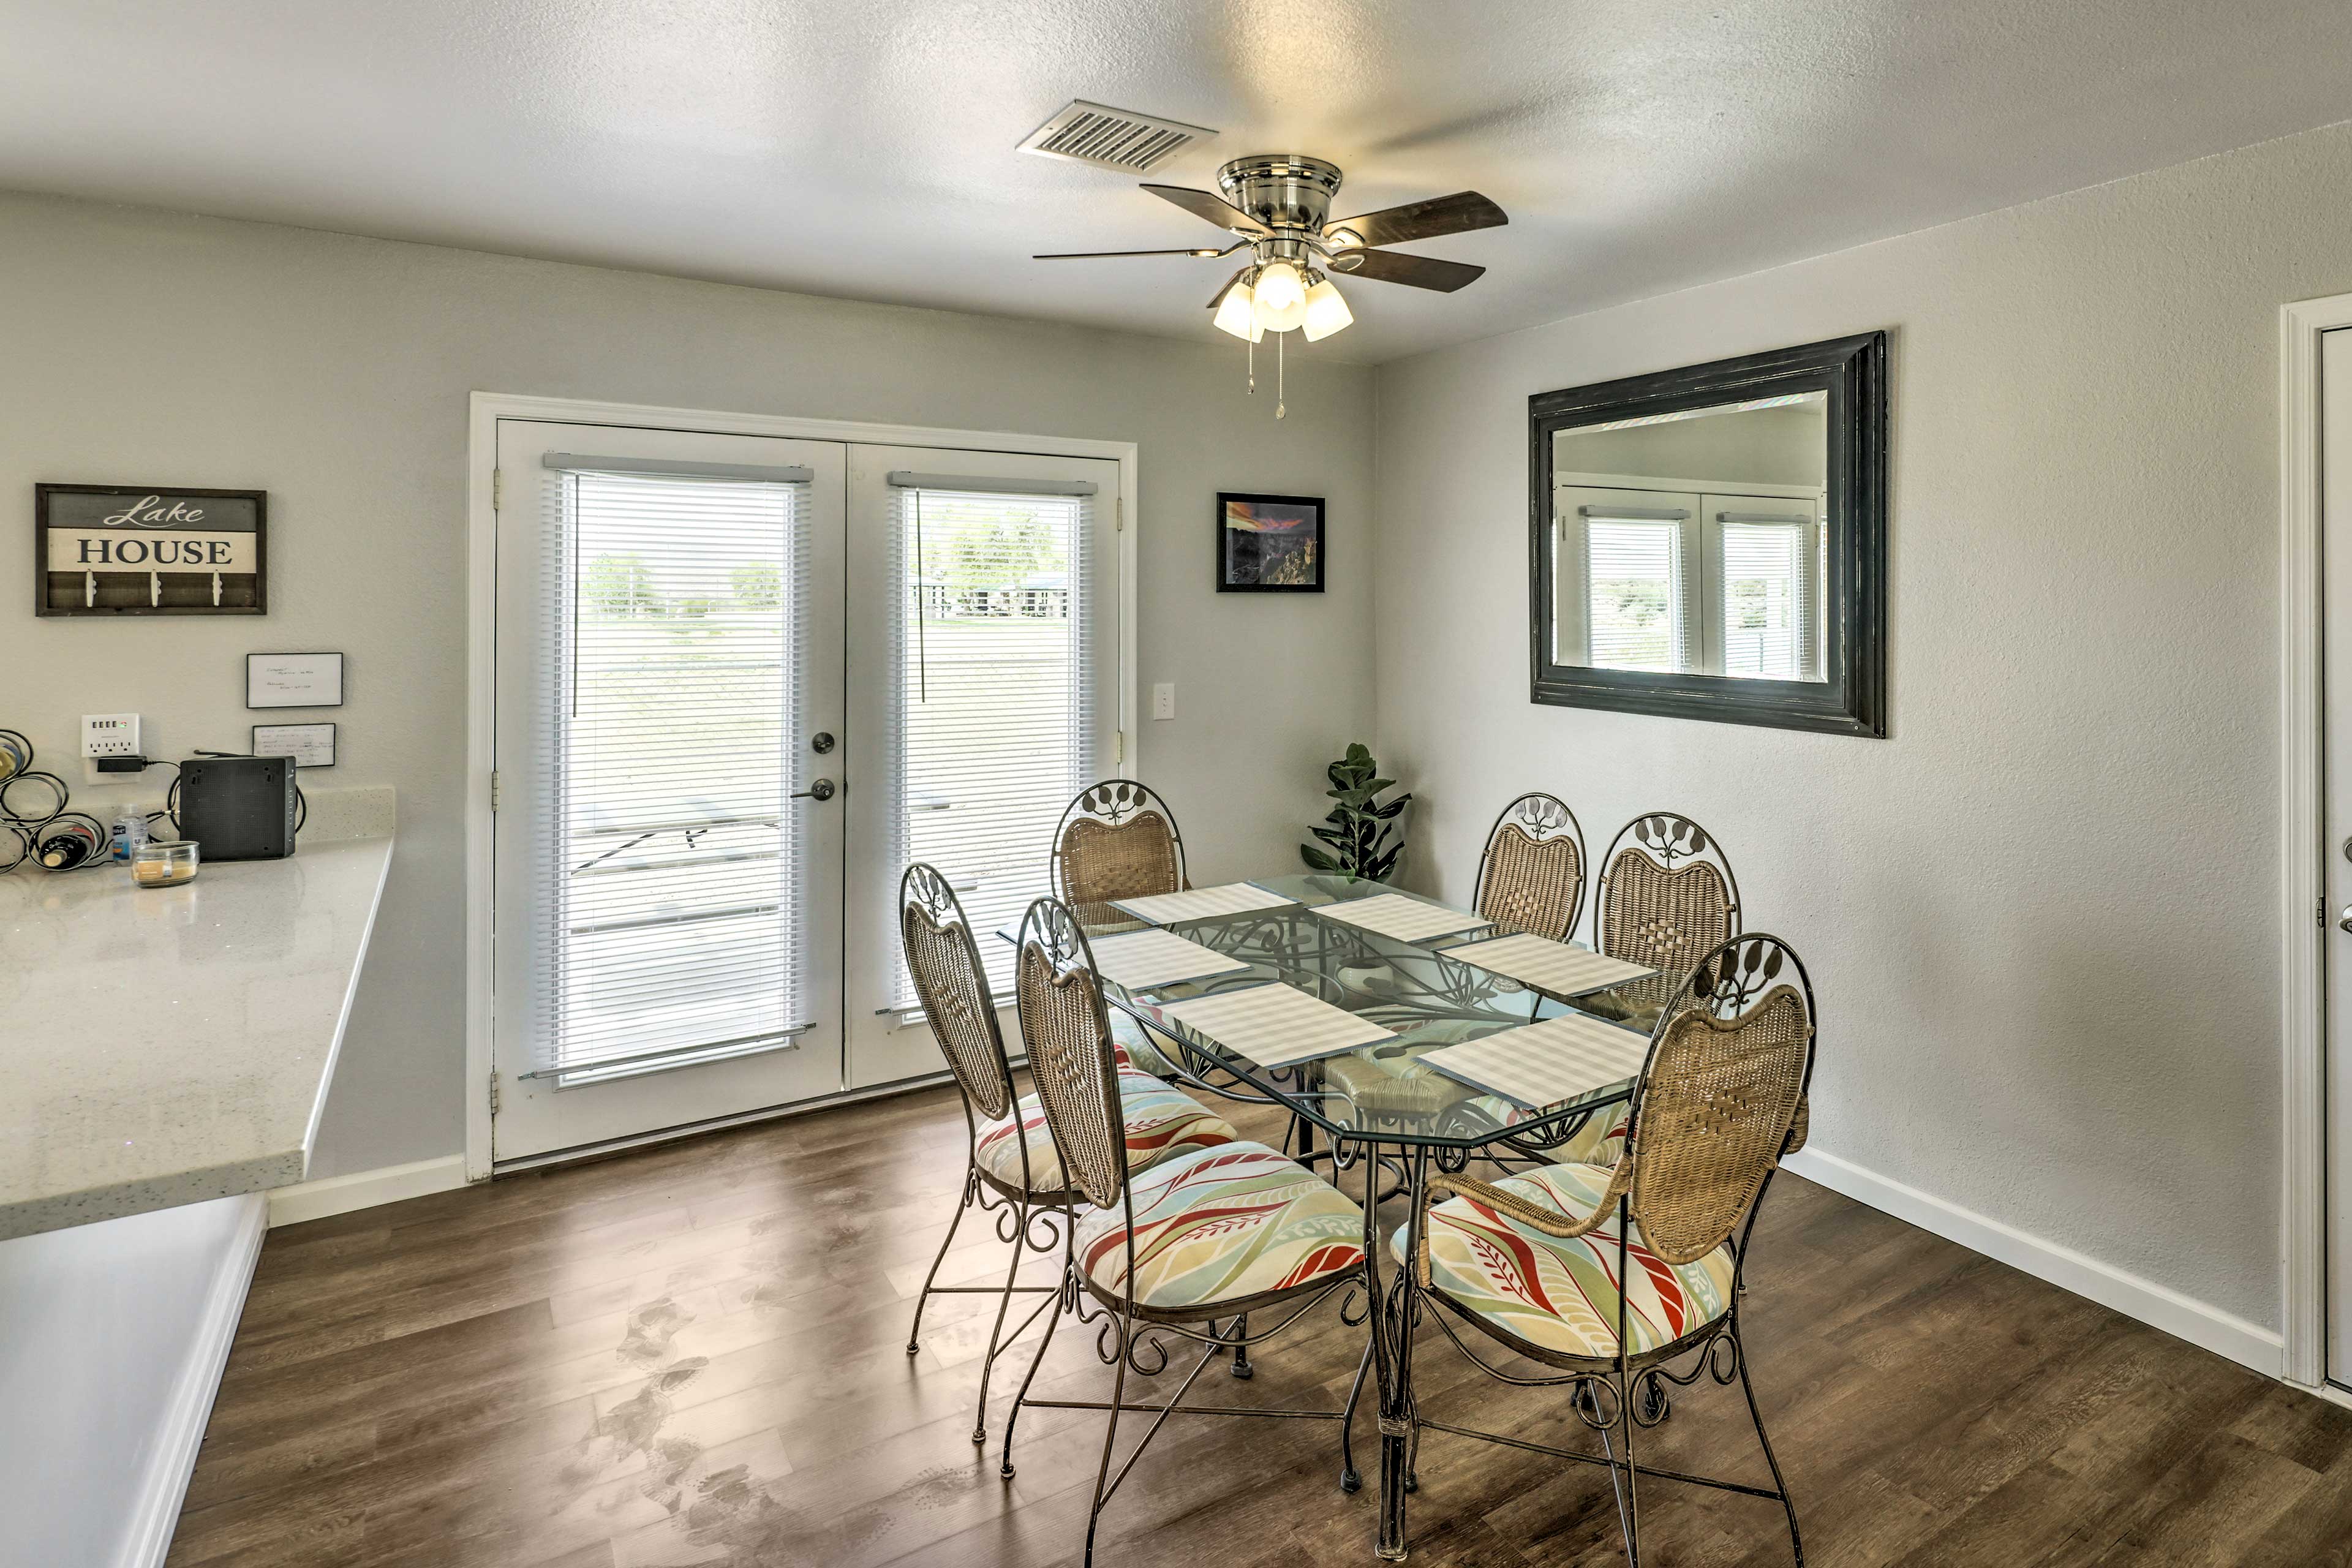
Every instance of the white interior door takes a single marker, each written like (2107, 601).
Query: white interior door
(668, 880)
(2336, 552)
(985, 681)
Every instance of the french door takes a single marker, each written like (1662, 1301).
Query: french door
(666, 889)
(741, 682)
(984, 666)
(2335, 553)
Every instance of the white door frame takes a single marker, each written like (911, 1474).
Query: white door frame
(2303, 907)
(481, 632)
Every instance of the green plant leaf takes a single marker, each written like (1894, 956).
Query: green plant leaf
(1359, 827)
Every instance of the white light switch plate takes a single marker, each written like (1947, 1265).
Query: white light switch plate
(1163, 699)
(109, 734)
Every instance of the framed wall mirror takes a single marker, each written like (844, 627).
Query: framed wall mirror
(1710, 542)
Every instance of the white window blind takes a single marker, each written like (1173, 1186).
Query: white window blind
(670, 926)
(1634, 611)
(994, 723)
(1765, 617)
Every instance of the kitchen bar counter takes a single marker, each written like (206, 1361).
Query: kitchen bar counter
(168, 1045)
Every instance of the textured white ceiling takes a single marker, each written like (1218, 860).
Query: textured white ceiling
(865, 147)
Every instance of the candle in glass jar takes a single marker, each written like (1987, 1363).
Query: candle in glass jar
(163, 865)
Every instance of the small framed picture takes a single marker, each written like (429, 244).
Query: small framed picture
(1269, 544)
(310, 745)
(293, 681)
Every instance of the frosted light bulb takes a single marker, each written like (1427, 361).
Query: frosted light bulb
(1325, 312)
(1281, 303)
(1236, 315)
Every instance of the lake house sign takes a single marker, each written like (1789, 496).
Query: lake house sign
(139, 549)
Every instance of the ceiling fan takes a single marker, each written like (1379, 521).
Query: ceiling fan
(1280, 205)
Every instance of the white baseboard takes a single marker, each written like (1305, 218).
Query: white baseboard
(147, 1539)
(2159, 1306)
(365, 1189)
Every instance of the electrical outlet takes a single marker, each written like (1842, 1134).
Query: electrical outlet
(1163, 699)
(109, 735)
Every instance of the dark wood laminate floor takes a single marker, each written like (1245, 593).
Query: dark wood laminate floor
(696, 1356)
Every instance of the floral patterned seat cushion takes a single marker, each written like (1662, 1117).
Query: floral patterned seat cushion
(1220, 1225)
(1561, 1296)
(1160, 1122)
(1137, 1047)
(1598, 1143)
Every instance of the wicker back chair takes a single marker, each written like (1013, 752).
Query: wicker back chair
(1723, 1096)
(1226, 1231)
(1067, 1033)
(1117, 841)
(1721, 1101)
(953, 985)
(1531, 872)
(1667, 896)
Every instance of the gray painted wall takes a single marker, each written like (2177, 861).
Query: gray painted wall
(2042, 916)
(334, 373)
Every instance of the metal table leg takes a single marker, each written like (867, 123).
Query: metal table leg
(1394, 1310)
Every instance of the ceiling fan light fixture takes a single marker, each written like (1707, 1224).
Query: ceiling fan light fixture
(1237, 314)
(1279, 208)
(1325, 312)
(1281, 296)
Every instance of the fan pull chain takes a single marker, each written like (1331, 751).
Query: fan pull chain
(1252, 367)
(1278, 409)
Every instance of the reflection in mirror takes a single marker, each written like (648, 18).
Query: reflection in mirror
(1694, 541)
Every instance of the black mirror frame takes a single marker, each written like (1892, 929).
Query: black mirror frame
(1853, 700)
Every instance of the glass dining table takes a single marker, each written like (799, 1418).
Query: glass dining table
(1379, 1106)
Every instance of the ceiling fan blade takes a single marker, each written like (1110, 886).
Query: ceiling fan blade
(1228, 287)
(1097, 255)
(1433, 219)
(1395, 266)
(1214, 208)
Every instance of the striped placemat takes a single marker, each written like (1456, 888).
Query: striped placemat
(1538, 1065)
(1275, 1025)
(1152, 957)
(1394, 915)
(1555, 968)
(1201, 903)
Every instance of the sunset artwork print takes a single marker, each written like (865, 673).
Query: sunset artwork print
(1269, 544)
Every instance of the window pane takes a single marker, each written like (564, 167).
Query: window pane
(993, 726)
(1763, 601)
(677, 905)
(1634, 598)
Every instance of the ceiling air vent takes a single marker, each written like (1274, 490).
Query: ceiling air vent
(1112, 138)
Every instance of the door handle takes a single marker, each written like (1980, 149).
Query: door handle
(2343, 921)
(822, 790)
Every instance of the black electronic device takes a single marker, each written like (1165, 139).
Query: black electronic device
(237, 808)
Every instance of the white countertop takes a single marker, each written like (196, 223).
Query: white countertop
(163, 1045)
